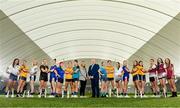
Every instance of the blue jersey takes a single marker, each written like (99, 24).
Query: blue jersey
(76, 73)
(60, 71)
(52, 74)
(126, 73)
(103, 71)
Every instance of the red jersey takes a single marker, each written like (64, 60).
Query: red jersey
(170, 72)
(161, 68)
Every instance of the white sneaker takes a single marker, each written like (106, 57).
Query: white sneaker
(39, 96)
(51, 96)
(12, 96)
(6, 96)
(75, 96)
(126, 96)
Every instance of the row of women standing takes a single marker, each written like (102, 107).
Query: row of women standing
(110, 77)
(72, 74)
(161, 71)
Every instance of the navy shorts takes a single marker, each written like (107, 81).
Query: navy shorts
(135, 77)
(53, 79)
(13, 77)
(60, 80)
(33, 78)
(125, 78)
(22, 78)
(103, 78)
(142, 77)
(75, 79)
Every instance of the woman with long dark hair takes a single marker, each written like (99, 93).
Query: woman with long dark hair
(135, 76)
(162, 73)
(119, 79)
(153, 77)
(142, 76)
(13, 71)
(171, 77)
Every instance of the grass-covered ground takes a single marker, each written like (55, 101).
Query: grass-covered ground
(89, 102)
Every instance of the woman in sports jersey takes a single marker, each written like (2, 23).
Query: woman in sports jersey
(142, 76)
(162, 75)
(153, 77)
(13, 71)
(24, 70)
(33, 71)
(125, 77)
(60, 79)
(118, 79)
(68, 73)
(53, 78)
(135, 76)
(110, 75)
(75, 80)
(171, 76)
(103, 79)
(44, 68)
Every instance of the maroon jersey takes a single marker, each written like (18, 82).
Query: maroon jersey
(170, 72)
(161, 68)
(152, 70)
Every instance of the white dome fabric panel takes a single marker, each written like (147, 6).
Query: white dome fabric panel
(164, 47)
(105, 29)
(16, 47)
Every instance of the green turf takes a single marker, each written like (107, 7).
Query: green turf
(89, 102)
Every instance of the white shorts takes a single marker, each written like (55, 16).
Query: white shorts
(118, 78)
(162, 75)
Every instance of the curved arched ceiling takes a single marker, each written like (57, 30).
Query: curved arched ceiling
(105, 29)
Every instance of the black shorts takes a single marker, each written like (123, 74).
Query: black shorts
(110, 79)
(33, 78)
(135, 77)
(152, 79)
(142, 77)
(22, 78)
(68, 80)
(75, 79)
(43, 77)
(60, 80)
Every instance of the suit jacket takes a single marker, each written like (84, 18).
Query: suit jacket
(93, 71)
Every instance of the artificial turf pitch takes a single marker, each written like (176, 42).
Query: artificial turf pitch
(89, 102)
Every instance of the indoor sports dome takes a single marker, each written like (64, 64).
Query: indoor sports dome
(85, 29)
(66, 30)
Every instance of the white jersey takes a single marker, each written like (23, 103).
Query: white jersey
(118, 72)
(13, 70)
(34, 70)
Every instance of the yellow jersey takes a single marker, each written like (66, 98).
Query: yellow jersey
(140, 70)
(134, 72)
(110, 71)
(69, 72)
(24, 70)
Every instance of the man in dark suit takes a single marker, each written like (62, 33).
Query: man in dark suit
(94, 76)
